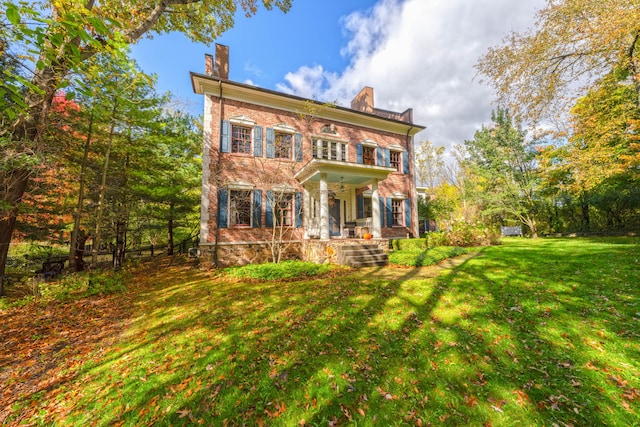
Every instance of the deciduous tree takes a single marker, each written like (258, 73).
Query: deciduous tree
(504, 162)
(50, 39)
(541, 72)
(429, 164)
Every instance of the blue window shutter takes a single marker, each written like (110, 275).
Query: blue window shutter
(298, 144)
(257, 208)
(360, 206)
(270, 139)
(257, 141)
(268, 217)
(223, 208)
(381, 211)
(387, 157)
(389, 212)
(225, 136)
(298, 209)
(405, 159)
(359, 153)
(379, 156)
(407, 211)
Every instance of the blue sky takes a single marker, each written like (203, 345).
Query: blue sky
(415, 54)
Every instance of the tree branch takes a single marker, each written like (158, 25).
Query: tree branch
(135, 34)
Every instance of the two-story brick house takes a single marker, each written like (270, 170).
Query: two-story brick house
(273, 161)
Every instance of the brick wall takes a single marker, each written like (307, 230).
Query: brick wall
(263, 173)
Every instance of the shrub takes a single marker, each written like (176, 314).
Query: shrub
(465, 235)
(436, 238)
(409, 244)
(285, 270)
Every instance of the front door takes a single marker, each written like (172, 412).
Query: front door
(334, 218)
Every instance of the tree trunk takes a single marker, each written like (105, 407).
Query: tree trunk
(118, 259)
(14, 184)
(78, 253)
(103, 188)
(586, 221)
(170, 231)
(534, 228)
(74, 245)
(26, 133)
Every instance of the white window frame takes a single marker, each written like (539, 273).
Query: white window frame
(398, 197)
(233, 212)
(397, 166)
(239, 186)
(284, 129)
(243, 122)
(320, 146)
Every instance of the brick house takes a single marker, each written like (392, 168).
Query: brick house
(309, 173)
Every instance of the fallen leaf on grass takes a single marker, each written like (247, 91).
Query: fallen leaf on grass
(618, 381)
(346, 412)
(385, 395)
(471, 401)
(631, 394)
(497, 404)
(522, 398)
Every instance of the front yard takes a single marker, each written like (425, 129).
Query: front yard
(531, 332)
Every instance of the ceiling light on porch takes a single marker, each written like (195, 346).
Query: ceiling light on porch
(342, 184)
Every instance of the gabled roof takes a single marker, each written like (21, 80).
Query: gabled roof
(227, 89)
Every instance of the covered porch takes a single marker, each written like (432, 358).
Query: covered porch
(337, 202)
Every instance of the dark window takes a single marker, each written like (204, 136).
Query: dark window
(368, 208)
(285, 210)
(396, 208)
(394, 159)
(241, 140)
(282, 145)
(368, 155)
(240, 208)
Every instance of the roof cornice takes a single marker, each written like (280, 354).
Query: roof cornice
(209, 85)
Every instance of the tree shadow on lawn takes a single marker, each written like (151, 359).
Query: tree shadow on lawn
(483, 342)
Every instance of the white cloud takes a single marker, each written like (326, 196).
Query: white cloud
(420, 54)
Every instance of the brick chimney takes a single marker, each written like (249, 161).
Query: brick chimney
(363, 101)
(208, 64)
(218, 67)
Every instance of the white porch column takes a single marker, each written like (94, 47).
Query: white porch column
(324, 207)
(375, 211)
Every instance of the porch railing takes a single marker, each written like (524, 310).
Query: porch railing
(312, 227)
(364, 222)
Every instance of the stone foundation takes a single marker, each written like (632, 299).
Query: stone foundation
(230, 254)
(317, 251)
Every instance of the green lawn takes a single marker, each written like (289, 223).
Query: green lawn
(532, 333)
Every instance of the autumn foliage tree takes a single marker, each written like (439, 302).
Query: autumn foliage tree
(578, 69)
(540, 73)
(46, 41)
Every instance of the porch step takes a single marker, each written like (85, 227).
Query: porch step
(362, 256)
